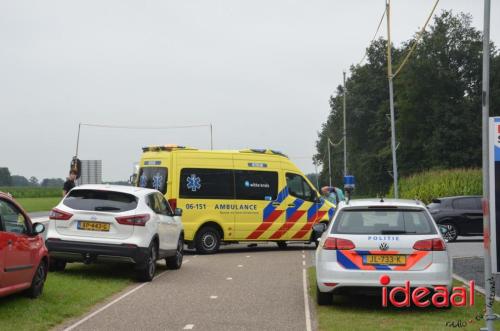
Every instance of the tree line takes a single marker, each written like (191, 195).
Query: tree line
(6, 179)
(437, 105)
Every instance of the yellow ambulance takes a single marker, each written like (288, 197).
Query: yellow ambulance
(234, 196)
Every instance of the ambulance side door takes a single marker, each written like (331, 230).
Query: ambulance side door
(303, 207)
(258, 201)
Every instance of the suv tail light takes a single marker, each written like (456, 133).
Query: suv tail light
(56, 214)
(138, 220)
(332, 243)
(172, 203)
(430, 245)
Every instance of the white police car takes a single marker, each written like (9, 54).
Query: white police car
(104, 223)
(368, 239)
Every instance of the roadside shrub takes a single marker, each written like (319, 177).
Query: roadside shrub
(432, 184)
(32, 192)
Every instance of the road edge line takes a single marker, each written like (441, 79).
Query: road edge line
(306, 301)
(123, 296)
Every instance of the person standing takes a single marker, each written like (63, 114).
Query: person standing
(70, 182)
(327, 193)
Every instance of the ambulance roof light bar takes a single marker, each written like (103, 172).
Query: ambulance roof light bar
(168, 147)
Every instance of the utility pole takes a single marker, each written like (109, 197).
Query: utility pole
(391, 101)
(211, 137)
(345, 140)
(329, 162)
(489, 279)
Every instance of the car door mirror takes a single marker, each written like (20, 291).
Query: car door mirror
(178, 212)
(319, 228)
(38, 228)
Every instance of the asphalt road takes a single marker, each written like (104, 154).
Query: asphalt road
(258, 288)
(466, 247)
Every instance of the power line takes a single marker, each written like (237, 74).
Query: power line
(374, 36)
(132, 127)
(419, 36)
(139, 127)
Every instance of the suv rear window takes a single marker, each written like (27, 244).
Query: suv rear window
(94, 200)
(383, 221)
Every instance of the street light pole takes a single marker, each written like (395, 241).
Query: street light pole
(391, 101)
(329, 162)
(345, 140)
(489, 279)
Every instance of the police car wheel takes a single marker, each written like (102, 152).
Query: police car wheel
(322, 298)
(207, 240)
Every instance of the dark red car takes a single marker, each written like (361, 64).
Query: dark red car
(23, 255)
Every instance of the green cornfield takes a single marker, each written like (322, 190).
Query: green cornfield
(32, 192)
(432, 184)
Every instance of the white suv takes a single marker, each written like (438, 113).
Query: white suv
(103, 223)
(368, 239)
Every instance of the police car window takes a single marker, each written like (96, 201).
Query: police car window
(299, 188)
(383, 221)
(12, 219)
(206, 183)
(256, 185)
(153, 177)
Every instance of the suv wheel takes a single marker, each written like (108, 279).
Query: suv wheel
(148, 270)
(322, 298)
(175, 262)
(207, 240)
(38, 281)
(57, 265)
(452, 233)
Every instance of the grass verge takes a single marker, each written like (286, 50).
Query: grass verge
(66, 294)
(366, 313)
(38, 204)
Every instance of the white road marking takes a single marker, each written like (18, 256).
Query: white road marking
(213, 297)
(306, 301)
(303, 263)
(303, 256)
(188, 327)
(85, 319)
(240, 265)
(185, 261)
(247, 256)
(229, 278)
(302, 251)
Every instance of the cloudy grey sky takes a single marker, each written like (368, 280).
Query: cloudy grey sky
(260, 71)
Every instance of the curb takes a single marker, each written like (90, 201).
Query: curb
(478, 288)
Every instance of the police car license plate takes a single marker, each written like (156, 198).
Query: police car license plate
(93, 226)
(386, 259)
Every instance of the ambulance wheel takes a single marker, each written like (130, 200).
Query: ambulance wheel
(282, 244)
(207, 240)
(322, 298)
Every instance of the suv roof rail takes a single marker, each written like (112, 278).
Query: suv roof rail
(263, 151)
